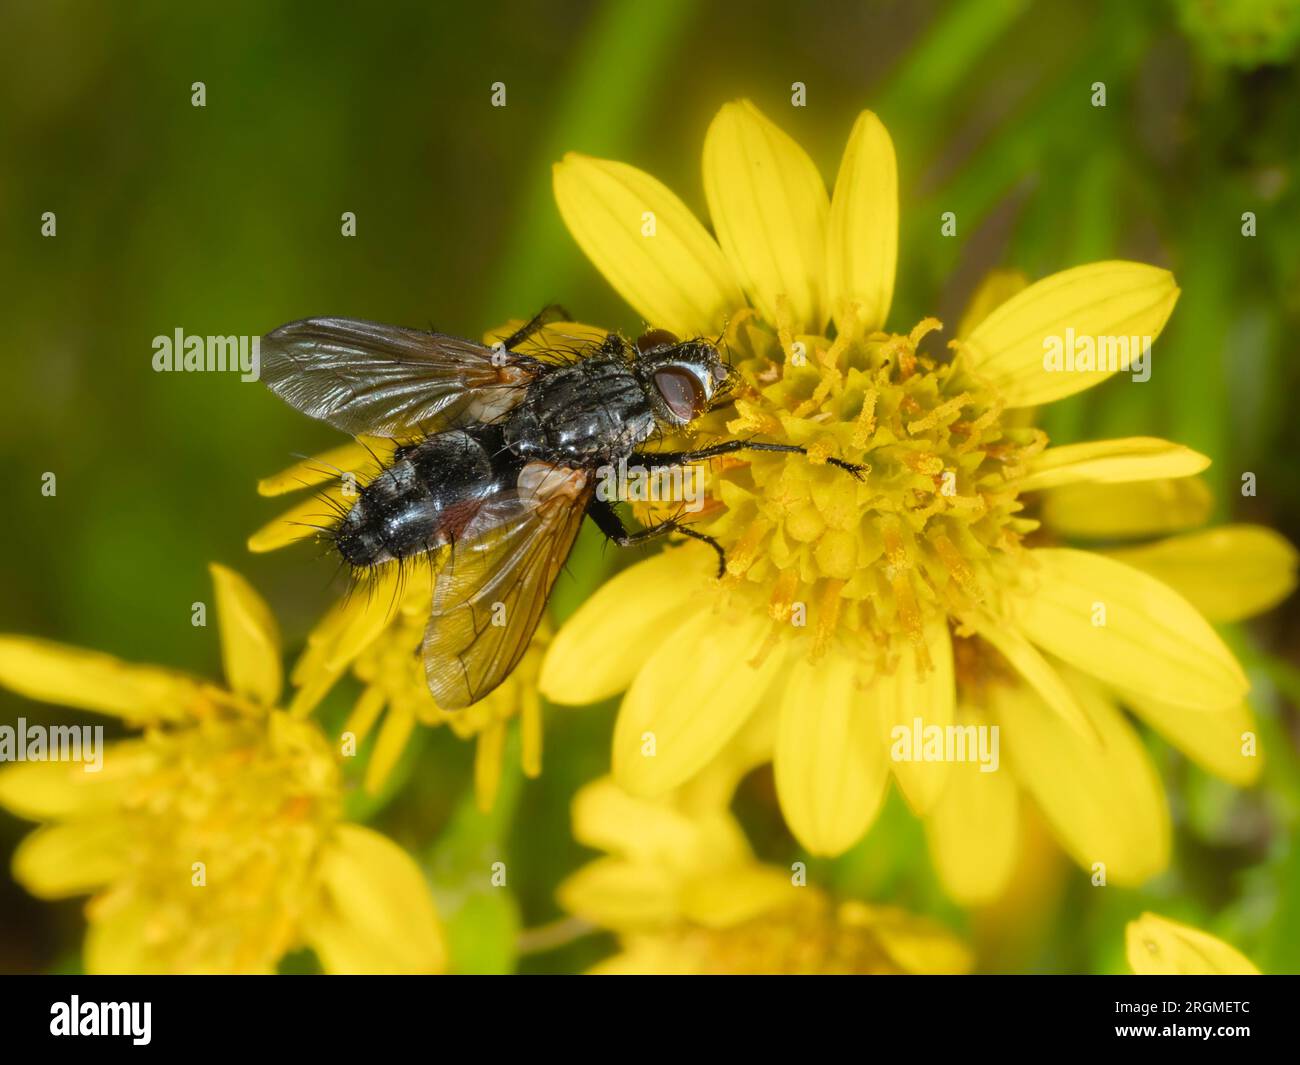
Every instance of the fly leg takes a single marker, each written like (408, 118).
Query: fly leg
(608, 522)
(727, 447)
(552, 312)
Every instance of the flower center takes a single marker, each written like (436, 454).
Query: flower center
(927, 531)
(224, 823)
(812, 937)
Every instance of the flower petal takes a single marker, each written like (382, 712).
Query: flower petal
(862, 235)
(62, 860)
(1126, 628)
(673, 274)
(1228, 573)
(631, 612)
(394, 733)
(1100, 302)
(655, 833)
(347, 629)
(690, 697)
(250, 638)
(831, 763)
(910, 693)
(376, 913)
(88, 680)
(769, 208)
(353, 457)
(44, 791)
(1143, 508)
(118, 943)
(1106, 803)
(551, 337)
(300, 522)
(619, 894)
(1134, 458)
(1039, 674)
(1157, 946)
(1223, 742)
(974, 829)
(728, 897)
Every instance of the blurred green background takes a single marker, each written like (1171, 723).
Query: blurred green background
(226, 220)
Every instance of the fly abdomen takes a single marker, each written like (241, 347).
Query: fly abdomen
(409, 507)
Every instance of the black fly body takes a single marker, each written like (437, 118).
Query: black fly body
(496, 463)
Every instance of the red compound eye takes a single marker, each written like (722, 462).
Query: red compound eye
(681, 391)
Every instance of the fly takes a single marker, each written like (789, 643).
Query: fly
(497, 463)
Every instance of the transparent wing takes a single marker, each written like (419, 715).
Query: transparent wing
(490, 595)
(382, 380)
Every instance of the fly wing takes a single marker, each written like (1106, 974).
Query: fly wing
(383, 380)
(490, 595)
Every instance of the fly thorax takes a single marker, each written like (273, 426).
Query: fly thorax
(591, 411)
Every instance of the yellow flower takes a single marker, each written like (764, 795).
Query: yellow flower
(215, 841)
(942, 587)
(685, 895)
(1157, 946)
(378, 629)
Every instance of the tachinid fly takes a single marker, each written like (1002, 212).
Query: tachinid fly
(496, 463)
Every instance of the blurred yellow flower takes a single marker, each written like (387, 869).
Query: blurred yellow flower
(215, 841)
(938, 595)
(377, 630)
(1157, 946)
(685, 895)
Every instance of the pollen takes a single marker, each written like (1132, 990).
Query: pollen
(924, 532)
(224, 825)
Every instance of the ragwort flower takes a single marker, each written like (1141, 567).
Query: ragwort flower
(944, 586)
(685, 895)
(215, 841)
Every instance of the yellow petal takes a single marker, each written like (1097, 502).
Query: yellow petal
(831, 761)
(389, 745)
(1126, 628)
(1228, 573)
(650, 955)
(769, 208)
(1223, 742)
(1100, 301)
(909, 693)
(1105, 803)
(1039, 674)
(632, 612)
(250, 638)
(550, 338)
(310, 517)
(862, 235)
(619, 894)
(44, 791)
(354, 457)
(489, 755)
(916, 944)
(690, 697)
(1157, 946)
(997, 287)
(974, 829)
(1143, 508)
(118, 944)
(724, 899)
(59, 861)
(375, 914)
(69, 676)
(655, 832)
(647, 243)
(1134, 458)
